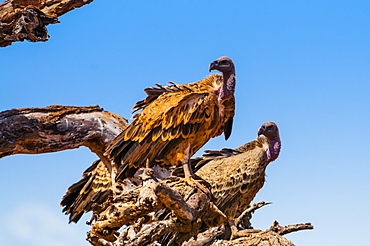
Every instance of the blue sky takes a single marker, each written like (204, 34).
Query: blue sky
(302, 64)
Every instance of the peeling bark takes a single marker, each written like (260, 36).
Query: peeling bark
(56, 128)
(27, 19)
(272, 236)
(184, 206)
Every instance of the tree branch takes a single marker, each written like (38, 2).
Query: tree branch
(243, 221)
(282, 230)
(27, 19)
(56, 128)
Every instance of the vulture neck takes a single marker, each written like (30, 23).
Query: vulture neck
(228, 86)
(274, 149)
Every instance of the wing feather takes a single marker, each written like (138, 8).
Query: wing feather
(237, 176)
(89, 194)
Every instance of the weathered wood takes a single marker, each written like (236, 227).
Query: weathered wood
(27, 19)
(262, 238)
(243, 221)
(272, 236)
(282, 230)
(185, 204)
(56, 128)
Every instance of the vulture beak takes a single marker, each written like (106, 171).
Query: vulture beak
(261, 130)
(213, 66)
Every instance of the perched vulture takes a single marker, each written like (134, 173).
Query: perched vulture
(235, 175)
(176, 121)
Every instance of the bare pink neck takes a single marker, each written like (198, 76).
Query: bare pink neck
(274, 149)
(228, 87)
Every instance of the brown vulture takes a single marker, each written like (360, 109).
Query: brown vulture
(235, 175)
(175, 121)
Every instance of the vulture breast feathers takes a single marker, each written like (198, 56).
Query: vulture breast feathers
(236, 175)
(175, 121)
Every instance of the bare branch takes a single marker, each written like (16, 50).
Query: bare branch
(27, 19)
(243, 221)
(55, 128)
(282, 230)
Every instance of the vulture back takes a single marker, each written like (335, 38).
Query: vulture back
(175, 121)
(236, 178)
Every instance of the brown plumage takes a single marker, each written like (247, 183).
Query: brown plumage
(236, 175)
(176, 121)
(89, 194)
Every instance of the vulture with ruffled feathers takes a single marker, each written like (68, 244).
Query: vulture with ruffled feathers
(175, 121)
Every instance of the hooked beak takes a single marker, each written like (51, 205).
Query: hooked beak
(213, 66)
(261, 130)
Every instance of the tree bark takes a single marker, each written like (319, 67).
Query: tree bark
(27, 19)
(56, 128)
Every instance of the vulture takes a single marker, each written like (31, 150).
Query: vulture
(175, 121)
(235, 176)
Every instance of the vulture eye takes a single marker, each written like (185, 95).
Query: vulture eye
(223, 62)
(270, 127)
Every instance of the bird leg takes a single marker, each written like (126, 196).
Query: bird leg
(190, 177)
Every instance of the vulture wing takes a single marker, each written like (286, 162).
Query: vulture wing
(89, 194)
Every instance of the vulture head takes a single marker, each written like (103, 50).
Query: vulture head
(269, 130)
(223, 64)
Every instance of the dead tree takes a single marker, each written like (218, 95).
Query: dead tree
(152, 207)
(27, 19)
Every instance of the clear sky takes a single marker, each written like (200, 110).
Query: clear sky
(302, 64)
